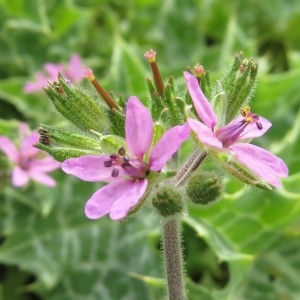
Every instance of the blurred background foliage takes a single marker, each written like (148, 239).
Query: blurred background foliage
(244, 247)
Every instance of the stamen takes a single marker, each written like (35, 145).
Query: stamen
(122, 151)
(115, 172)
(245, 111)
(259, 125)
(108, 163)
(250, 117)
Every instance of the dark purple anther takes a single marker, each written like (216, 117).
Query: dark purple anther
(115, 172)
(108, 163)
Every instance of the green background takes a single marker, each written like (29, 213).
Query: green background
(245, 247)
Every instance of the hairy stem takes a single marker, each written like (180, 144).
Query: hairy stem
(172, 243)
(190, 166)
(173, 259)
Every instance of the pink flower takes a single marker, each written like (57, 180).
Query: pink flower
(232, 138)
(127, 174)
(73, 72)
(27, 164)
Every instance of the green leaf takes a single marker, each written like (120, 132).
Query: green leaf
(73, 257)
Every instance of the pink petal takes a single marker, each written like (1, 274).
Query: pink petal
(35, 86)
(101, 202)
(89, 168)
(52, 70)
(42, 178)
(23, 130)
(27, 149)
(132, 194)
(19, 177)
(138, 127)
(201, 104)
(205, 135)
(261, 162)
(251, 130)
(47, 164)
(167, 146)
(9, 149)
(75, 68)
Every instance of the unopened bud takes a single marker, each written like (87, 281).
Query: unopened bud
(238, 84)
(204, 188)
(62, 153)
(168, 201)
(62, 144)
(52, 136)
(76, 105)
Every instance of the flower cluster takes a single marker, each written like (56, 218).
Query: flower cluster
(136, 141)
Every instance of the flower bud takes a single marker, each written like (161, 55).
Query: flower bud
(62, 153)
(62, 144)
(204, 188)
(238, 84)
(168, 201)
(50, 135)
(76, 105)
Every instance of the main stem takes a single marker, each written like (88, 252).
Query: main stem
(173, 259)
(172, 243)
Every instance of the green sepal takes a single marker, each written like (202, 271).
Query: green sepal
(245, 175)
(228, 79)
(111, 144)
(117, 120)
(157, 103)
(76, 105)
(62, 153)
(158, 132)
(52, 136)
(171, 81)
(219, 104)
(175, 116)
(206, 85)
(241, 88)
(121, 100)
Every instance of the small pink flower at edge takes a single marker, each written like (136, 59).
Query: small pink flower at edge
(73, 72)
(26, 163)
(232, 138)
(126, 174)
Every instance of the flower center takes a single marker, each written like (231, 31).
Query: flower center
(230, 133)
(250, 118)
(133, 167)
